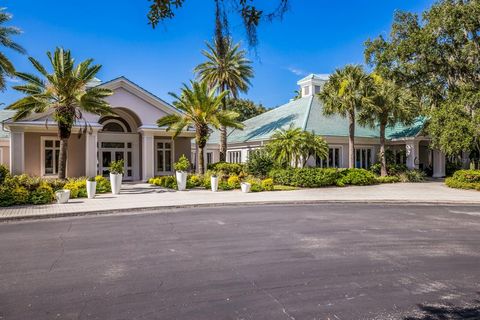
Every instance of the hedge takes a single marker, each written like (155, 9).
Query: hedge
(464, 179)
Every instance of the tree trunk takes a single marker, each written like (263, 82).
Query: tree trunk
(223, 131)
(64, 132)
(383, 158)
(201, 161)
(351, 140)
(62, 159)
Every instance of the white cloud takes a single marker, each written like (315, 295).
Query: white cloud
(297, 71)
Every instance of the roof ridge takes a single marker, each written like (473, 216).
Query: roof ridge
(307, 115)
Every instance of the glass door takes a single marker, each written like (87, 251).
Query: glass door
(116, 151)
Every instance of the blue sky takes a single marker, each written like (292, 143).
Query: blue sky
(315, 36)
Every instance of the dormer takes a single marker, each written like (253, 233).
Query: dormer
(312, 84)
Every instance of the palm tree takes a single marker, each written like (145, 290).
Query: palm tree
(6, 66)
(226, 68)
(312, 146)
(345, 93)
(201, 108)
(63, 92)
(390, 105)
(293, 146)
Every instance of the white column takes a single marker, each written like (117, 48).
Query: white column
(91, 156)
(17, 152)
(148, 149)
(438, 164)
(412, 149)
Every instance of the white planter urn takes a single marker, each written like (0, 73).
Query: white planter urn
(245, 187)
(214, 183)
(91, 189)
(62, 196)
(116, 182)
(181, 180)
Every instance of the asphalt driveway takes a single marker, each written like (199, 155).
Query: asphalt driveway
(335, 261)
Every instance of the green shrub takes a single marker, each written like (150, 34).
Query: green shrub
(226, 168)
(412, 176)
(6, 197)
(388, 179)
(42, 195)
(392, 169)
(267, 184)
(182, 164)
(305, 177)
(169, 182)
(260, 163)
(357, 177)
(233, 182)
(4, 173)
(467, 176)
(73, 187)
(56, 184)
(194, 181)
(20, 195)
(103, 184)
(256, 185)
(117, 167)
(464, 179)
(223, 185)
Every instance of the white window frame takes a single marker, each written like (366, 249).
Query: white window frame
(236, 155)
(362, 160)
(42, 155)
(325, 163)
(172, 155)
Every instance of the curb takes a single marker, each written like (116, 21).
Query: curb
(145, 210)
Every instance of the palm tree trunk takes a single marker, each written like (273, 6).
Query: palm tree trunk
(64, 131)
(62, 159)
(351, 140)
(223, 132)
(201, 161)
(383, 158)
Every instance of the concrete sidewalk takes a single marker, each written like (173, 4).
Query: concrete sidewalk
(137, 197)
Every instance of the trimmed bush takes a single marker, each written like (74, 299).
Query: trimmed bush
(194, 181)
(464, 179)
(267, 184)
(4, 173)
(103, 184)
(305, 177)
(388, 179)
(42, 195)
(233, 182)
(20, 195)
(6, 197)
(357, 177)
(226, 168)
(393, 169)
(256, 185)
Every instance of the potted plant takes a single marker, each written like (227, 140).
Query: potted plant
(245, 187)
(116, 174)
(181, 167)
(214, 182)
(62, 196)
(91, 187)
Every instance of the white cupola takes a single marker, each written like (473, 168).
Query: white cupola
(312, 84)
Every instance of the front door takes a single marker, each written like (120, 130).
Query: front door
(115, 151)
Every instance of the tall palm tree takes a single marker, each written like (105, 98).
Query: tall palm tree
(226, 68)
(63, 92)
(201, 108)
(6, 66)
(345, 93)
(390, 105)
(312, 146)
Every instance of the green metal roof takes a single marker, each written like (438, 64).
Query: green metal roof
(307, 113)
(4, 115)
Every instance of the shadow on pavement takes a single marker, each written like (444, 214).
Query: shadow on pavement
(447, 312)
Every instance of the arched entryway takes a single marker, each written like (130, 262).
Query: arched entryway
(119, 140)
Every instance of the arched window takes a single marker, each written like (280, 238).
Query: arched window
(115, 125)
